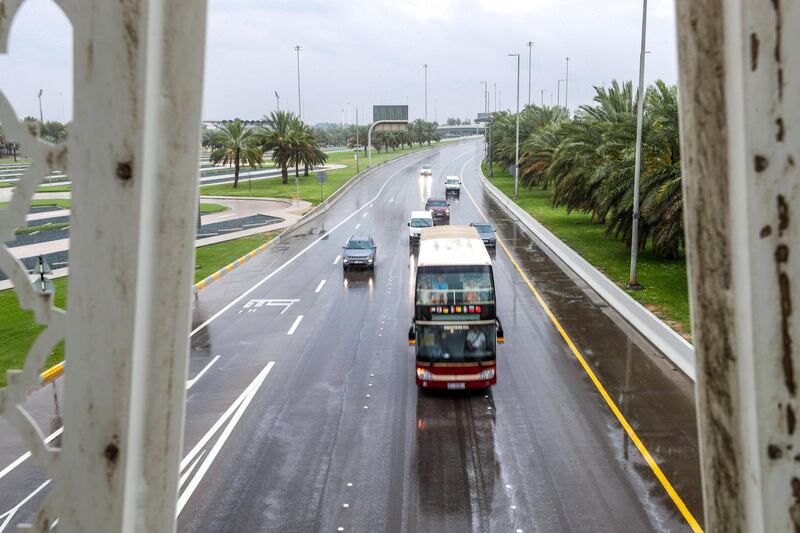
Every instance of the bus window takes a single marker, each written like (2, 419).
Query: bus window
(455, 285)
(457, 342)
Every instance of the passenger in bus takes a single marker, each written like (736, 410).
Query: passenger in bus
(470, 291)
(476, 340)
(425, 293)
(440, 286)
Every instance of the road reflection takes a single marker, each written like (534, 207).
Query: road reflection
(359, 279)
(456, 464)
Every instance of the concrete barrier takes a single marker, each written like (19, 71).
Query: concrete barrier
(675, 347)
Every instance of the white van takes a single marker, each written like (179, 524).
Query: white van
(419, 221)
(452, 184)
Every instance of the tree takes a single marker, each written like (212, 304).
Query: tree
(236, 144)
(53, 131)
(277, 135)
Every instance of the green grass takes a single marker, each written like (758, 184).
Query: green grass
(43, 227)
(54, 188)
(213, 257)
(666, 290)
(18, 329)
(207, 209)
(43, 203)
(309, 188)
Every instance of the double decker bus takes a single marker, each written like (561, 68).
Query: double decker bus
(455, 329)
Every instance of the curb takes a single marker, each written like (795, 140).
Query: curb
(665, 339)
(52, 373)
(202, 284)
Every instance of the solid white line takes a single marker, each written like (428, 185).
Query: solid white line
(319, 287)
(294, 326)
(294, 258)
(358, 225)
(22, 458)
(11, 512)
(365, 215)
(337, 259)
(200, 374)
(188, 472)
(250, 393)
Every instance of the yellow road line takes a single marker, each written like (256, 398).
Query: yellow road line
(673, 494)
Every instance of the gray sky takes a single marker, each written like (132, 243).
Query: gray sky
(371, 51)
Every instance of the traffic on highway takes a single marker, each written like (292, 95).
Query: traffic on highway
(335, 388)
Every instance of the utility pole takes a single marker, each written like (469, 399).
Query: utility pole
(530, 54)
(41, 115)
(633, 283)
(566, 88)
(558, 94)
(425, 67)
(299, 100)
(277, 101)
(516, 151)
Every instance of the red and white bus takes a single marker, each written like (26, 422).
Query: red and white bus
(455, 329)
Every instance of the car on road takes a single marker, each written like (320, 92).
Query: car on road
(419, 220)
(452, 184)
(486, 233)
(426, 170)
(439, 210)
(359, 252)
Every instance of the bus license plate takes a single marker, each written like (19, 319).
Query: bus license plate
(456, 386)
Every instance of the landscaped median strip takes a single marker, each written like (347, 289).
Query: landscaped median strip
(202, 284)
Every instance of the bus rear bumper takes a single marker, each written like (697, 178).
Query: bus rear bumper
(456, 385)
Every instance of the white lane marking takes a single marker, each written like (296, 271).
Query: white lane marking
(337, 259)
(246, 398)
(319, 287)
(11, 512)
(200, 374)
(189, 471)
(391, 199)
(294, 258)
(22, 458)
(358, 225)
(294, 326)
(364, 215)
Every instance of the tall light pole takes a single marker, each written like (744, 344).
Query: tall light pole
(530, 54)
(425, 67)
(542, 97)
(566, 88)
(495, 98)
(633, 283)
(348, 113)
(299, 100)
(277, 101)
(41, 115)
(516, 150)
(485, 97)
(558, 94)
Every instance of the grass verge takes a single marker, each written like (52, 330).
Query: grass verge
(309, 188)
(666, 291)
(205, 208)
(18, 329)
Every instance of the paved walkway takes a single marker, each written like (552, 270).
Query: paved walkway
(289, 211)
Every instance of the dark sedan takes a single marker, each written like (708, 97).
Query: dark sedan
(486, 232)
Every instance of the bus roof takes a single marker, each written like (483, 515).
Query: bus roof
(452, 245)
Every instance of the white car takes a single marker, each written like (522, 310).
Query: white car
(452, 184)
(419, 221)
(426, 170)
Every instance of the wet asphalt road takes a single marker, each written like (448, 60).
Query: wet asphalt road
(309, 419)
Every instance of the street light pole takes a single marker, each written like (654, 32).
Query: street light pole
(566, 88)
(277, 101)
(542, 95)
(530, 54)
(41, 115)
(633, 283)
(558, 94)
(425, 67)
(485, 97)
(299, 100)
(495, 98)
(357, 147)
(516, 150)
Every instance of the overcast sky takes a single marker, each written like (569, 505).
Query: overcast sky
(369, 52)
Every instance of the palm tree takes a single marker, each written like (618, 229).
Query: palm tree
(310, 150)
(277, 135)
(236, 143)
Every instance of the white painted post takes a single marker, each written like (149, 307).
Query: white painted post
(740, 110)
(132, 152)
